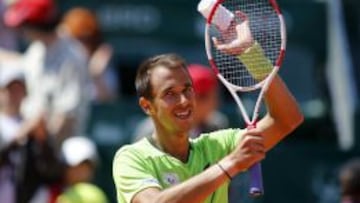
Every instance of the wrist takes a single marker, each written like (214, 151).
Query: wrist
(224, 171)
(256, 62)
(229, 165)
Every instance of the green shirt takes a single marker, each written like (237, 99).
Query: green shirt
(82, 193)
(141, 165)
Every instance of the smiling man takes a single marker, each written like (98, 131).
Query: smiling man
(168, 166)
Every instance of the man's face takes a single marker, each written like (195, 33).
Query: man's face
(173, 101)
(13, 94)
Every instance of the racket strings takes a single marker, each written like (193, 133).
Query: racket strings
(257, 62)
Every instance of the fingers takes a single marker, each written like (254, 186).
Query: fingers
(254, 141)
(219, 46)
(254, 131)
(228, 48)
(257, 148)
(241, 15)
(250, 149)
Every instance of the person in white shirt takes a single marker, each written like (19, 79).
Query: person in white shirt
(12, 93)
(82, 24)
(55, 69)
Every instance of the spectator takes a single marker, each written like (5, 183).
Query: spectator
(27, 160)
(12, 92)
(350, 181)
(207, 116)
(8, 37)
(82, 24)
(55, 69)
(81, 158)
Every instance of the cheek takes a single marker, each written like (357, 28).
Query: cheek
(17, 96)
(165, 104)
(17, 92)
(163, 108)
(170, 100)
(3, 97)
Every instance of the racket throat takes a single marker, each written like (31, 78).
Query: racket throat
(251, 125)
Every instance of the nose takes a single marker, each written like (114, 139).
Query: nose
(184, 99)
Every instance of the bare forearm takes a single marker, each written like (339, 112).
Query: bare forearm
(284, 114)
(198, 188)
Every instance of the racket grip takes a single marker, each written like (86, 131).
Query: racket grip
(256, 181)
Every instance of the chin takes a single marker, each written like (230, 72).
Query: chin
(185, 127)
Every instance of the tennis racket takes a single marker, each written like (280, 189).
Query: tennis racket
(245, 44)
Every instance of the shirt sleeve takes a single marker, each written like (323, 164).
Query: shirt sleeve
(131, 175)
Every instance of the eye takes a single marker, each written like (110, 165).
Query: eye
(189, 91)
(169, 93)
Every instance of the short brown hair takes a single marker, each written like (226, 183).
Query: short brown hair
(142, 81)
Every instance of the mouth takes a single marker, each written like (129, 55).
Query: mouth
(183, 114)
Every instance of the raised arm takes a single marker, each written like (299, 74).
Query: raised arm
(284, 114)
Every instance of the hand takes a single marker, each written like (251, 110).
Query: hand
(250, 150)
(99, 60)
(235, 44)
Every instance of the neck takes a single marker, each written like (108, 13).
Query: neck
(177, 145)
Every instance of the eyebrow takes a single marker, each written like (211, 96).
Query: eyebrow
(187, 84)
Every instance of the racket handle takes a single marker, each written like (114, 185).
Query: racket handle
(256, 181)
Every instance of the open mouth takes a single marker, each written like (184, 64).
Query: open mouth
(185, 114)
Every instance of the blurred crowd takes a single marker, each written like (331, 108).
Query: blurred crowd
(45, 94)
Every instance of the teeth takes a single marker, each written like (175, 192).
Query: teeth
(183, 114)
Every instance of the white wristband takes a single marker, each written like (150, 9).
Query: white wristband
(222, 17)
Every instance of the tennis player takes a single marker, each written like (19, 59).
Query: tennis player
(168, 166)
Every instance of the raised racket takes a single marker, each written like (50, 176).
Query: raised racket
(254, 32)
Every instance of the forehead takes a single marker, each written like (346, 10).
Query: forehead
(163, 78)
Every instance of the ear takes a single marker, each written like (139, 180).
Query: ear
(145, 105)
